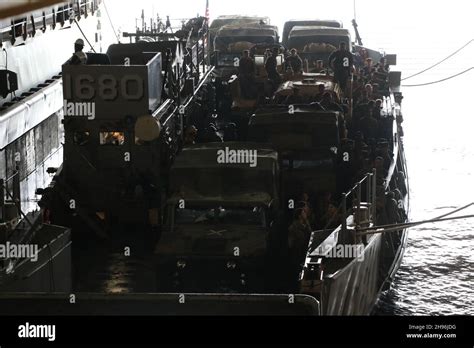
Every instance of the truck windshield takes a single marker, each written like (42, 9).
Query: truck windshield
(223, 43)
(303, 42)
(220, 215)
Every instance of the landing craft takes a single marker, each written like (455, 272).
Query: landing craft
(213, 231)
(314, 159)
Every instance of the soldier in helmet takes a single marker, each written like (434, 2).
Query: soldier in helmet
(78, 57)
(271, 67)
(299, 234)
(190, 135)
(341, 61)
(247, 71)
(294, 62)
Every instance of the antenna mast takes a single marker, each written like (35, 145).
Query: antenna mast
(354, 24)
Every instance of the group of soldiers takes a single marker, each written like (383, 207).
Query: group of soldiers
(247, 72)
(341, 61)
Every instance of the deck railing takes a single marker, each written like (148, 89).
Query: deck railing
(13, 195)
(27, 24)
(361, 197)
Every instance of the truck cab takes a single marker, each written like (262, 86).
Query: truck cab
(220, 215)
(307, 23)
(316, 42)
(231, 40)
(306, 140)
(226, 20)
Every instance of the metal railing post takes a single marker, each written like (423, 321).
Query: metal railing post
(344, 213)
(203, 56)
(178, 69)
(367, 193)
(191, 65)
(374, 194)
(2, 198)
(16, 188)
(359, 194)
(15, 196)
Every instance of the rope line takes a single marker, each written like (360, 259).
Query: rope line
(435, 65)
(84, 35)
(442, 80)
(110, 21)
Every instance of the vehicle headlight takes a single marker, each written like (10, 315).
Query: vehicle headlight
(181, 264)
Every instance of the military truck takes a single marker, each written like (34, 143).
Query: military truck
(220, 224)
(316, 42)
(235, 20)
(307, 23)
(231, 40)
(229, 43)
(307, 141)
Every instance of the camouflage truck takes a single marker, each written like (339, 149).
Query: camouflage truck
(317, 43)
(225, 20)
(242, 97)
(231, 40)
(306, 139)
(220, 223)
(307, 23)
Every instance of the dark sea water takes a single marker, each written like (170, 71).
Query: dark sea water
(437, 273)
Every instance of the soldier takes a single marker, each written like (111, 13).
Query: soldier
(78, 57)
(341, 61)
(392, 208)
(299, 234)
(369, 126)
(231, 132)
(294, 62)
(246, 74)
(327, 102)
(319, 67)
(321, 91)
(382, 64)
(267, 54)
(212, 134)
(305, 199)
(368, 69)
(271, 68)
(327, 213)
(360, 57)
(190, 136)
(294, 98)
